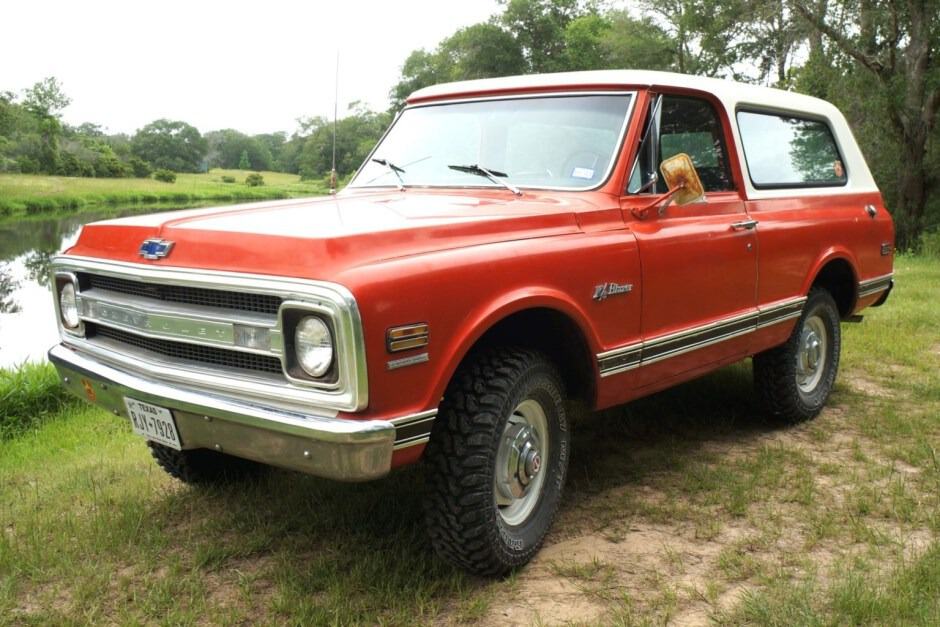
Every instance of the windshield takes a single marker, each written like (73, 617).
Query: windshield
(547, 141)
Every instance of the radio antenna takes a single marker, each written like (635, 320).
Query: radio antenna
(335, 107)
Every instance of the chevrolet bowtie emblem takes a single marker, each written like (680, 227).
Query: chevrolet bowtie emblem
(155, 248)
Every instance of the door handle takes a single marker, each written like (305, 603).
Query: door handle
(871, 211)
(744, 225)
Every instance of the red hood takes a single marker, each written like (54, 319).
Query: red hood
(318, 238)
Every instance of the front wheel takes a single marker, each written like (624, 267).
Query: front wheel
(202, 466)
(794, 379)
(496, 461)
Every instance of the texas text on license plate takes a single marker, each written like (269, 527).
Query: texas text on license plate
(153, 422)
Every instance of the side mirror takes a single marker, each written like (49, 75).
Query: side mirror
(685, 187)
(682, 179)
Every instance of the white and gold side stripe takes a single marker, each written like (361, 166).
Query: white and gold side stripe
(678, 343)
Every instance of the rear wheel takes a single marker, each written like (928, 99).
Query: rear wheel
(497, 461)
(795, 379)
(202, 466)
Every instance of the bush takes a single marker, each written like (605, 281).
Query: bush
(228, 179)
(28, 395)
(139, 167)
(107, 165)
(71, 165)
(164, 175)
(254, 180)
(26, 165)
(929, 245)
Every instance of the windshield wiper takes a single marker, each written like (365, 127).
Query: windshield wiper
(493, 175)
(394, 169)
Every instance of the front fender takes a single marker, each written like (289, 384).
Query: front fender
(488, 315)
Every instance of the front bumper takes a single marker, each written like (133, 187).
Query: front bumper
(348, 450)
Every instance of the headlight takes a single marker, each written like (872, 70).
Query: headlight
(68, 306)
(314, 345)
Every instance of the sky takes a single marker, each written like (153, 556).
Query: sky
(253, 66)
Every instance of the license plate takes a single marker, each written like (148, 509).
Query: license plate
(153, 422)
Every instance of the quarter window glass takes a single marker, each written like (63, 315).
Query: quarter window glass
(783, 151)
(691, 126)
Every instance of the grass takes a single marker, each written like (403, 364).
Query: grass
(684, 506)
(29, 395)
(26, 194)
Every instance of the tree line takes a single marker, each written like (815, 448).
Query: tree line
(35, 140)
(875, 59)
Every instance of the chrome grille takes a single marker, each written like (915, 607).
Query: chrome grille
(196, 353)
(212, 329)
(256, 303)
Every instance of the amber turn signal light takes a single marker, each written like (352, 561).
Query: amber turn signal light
(406, 337)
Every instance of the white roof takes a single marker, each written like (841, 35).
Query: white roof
(730, 93)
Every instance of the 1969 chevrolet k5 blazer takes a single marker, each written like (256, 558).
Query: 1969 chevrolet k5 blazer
(508, 246)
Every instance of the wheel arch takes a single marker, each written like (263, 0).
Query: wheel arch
(836, 271)
(531, 320)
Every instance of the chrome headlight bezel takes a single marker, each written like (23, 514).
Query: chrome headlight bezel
(292, 315)
(60, 282)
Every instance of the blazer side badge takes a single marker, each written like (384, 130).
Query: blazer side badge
(602, 291)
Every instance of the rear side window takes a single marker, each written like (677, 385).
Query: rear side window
(786, 151)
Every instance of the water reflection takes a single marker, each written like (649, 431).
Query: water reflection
(27, 318)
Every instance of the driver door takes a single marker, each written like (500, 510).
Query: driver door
(699, 261)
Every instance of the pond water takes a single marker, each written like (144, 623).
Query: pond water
(27, 318)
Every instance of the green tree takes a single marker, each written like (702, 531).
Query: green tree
(46, 98)
(892, 49)
(228, 147)
(170, 144)
(637, 43)
(539, 27)
(584, 43)
(356, 134)
(421, 69)
(704, 33)
(273, 144)
(482, 51)
(771, 34)
(39, 139)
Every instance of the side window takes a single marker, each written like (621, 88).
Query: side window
(677, 124)
(785, 151)
(691, 125)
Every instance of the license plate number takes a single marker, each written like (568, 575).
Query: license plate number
(153, 422)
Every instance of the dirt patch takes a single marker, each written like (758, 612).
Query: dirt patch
(241, 579)
(867, 386)
(44, 600)
(617, 569)
(589, 577)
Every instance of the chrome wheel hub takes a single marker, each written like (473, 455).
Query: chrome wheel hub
(519, 476)
(811, 356)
